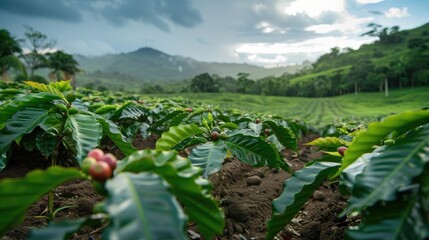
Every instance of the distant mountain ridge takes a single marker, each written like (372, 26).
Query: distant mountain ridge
(151, 65)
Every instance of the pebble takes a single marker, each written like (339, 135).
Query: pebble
(318, 195)
(193, 235)
(253, 180)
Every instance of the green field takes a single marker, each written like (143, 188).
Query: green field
(319, 111)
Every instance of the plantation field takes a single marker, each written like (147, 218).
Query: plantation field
(319, 111)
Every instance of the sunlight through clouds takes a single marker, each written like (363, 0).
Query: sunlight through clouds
(396, 12)
(258, 53)
(309, 8)
(369, 1)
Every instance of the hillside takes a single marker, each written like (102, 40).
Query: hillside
(148, 65)
(380, 53)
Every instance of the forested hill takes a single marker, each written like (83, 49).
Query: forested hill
(151, 65)
(396, 59)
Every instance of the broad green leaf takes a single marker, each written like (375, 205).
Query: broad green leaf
(21, 123)
(253, 150)
(175, 117)
(132, 112)
(285, 136)
(190, 141)
(209, 157)
(86, 135)
(113, 132)
(17, 195)
(57, 230)
(185, 182)
(379, 130)
(328, 142)
(348, 176)
(397, 166)
(297, 190)
(256, 127)
(142, 207)
(229, 125)
(51, 88)
(177, 134)
(23, 101)
(398, 220)
(46, 143)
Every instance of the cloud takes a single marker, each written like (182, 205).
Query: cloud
(90, 47)
(58, 10)
(350, 24)
(309, 8)
(279, 53)
(396, 12)
(369, 1)
(156, 12)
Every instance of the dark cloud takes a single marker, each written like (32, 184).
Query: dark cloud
(156, 12)
(58, 10)
(376, 12)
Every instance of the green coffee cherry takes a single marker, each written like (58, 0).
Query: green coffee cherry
(71, 96)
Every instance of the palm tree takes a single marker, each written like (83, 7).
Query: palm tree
(64, 67)
(9, 49)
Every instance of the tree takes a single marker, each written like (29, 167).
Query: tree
(37, 43)
(203, 83)
(359, 74)
(386, 35)
(9, 54)
(63, 65)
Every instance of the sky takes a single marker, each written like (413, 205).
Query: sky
(268, 33)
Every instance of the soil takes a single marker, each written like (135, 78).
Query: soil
(244, 193)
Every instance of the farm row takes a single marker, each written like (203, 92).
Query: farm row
(381, 166)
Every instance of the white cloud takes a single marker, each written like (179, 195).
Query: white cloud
(369, 1)
(350, 24)
(90, 47)
(257, 53)
(309, 8)
(396, 12)
(274, 61)
(266, 27)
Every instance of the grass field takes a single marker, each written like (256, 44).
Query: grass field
(319, 111)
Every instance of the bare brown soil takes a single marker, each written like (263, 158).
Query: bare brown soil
(244, 193)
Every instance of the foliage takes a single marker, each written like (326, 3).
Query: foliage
(390, 176)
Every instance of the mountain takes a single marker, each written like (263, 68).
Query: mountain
(148, 65)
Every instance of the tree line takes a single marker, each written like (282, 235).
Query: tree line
(342, 71)
(39, 54)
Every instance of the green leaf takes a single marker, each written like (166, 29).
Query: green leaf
(46, 143)
(348, 176)
(401, 220)
(17, 195)
(141, 207)
(394, 168)
(186, 184)
(190, 141)
(285, 136)
(22, 101)
(297, 190)
(113, 132)
(21, 123)
(175, 135)
(256, 127)
(86, 135)
(379, 130)
(54, 88)
(209, 157)
(3, 161)
(253, 150)
(328, 143)
(57, 230)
